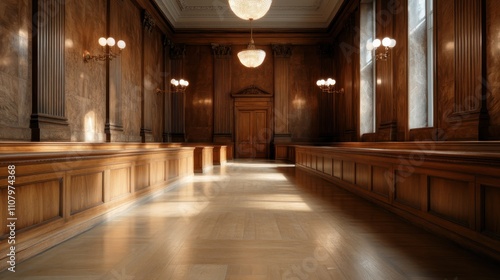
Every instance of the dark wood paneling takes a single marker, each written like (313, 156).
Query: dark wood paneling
(364, 176)
(380, 183)
(282, 54)
(491, 210)
(328, 165)
(200, 95)
(348, 171)
(492, 14)
(86, 191)
(408, 188)
(337, 168)
(451, 199)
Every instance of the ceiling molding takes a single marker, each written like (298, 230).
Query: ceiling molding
(216, 14)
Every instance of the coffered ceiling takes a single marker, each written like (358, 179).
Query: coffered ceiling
(216, 14)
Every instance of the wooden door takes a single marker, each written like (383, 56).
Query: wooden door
(252, 133)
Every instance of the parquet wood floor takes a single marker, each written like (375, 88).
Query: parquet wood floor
(256, 220)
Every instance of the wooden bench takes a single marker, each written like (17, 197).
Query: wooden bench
(63, 189)
(451, 188)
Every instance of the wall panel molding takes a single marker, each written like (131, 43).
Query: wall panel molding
(48, 119)
(282, 54)
(223, 103)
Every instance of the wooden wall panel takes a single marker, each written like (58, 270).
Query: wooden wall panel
(328, 165)
(348, 171)
(90, 183)
(303, 104)
(337, 168)
(173, 168)
(451, 200)
(142, 176)
(36, 203)
(453, 193)
(223, 107)
(492, 14)
(86, 191)
(491, 210)
(120, 182)
(200, 95)
(157, 172)
(408, 189)
(282, 54)
(380, 184)
(364, 176)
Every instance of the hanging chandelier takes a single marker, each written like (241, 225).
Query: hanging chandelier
(250, 9)
(251, 57)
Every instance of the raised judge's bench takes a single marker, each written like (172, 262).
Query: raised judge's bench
(63, 189)
(450, 188)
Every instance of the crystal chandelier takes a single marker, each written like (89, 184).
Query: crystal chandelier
(251, 57)
(250, 9)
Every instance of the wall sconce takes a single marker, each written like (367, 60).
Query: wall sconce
(107, 52)
(387, 43)
(328, 86)
(178, 86)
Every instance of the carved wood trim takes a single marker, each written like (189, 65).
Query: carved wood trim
(282, 50)
(252, 91)
(221, 51)
(148, 23)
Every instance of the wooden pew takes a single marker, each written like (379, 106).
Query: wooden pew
(452, 189)
(63, 189)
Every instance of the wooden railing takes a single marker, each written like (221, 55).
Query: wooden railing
(63, 189)
(451, 188)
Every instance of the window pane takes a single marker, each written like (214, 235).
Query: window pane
(420, 63)
(367, 63)
(418, 55)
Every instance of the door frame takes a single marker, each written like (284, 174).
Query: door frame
(254, 98)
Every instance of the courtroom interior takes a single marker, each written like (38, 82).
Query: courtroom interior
(257, 139)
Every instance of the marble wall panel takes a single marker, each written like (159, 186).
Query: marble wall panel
(85, 82)
(15, 70)
(131, 72)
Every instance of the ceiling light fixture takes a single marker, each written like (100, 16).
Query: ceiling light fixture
(250, 9)
(251, 57)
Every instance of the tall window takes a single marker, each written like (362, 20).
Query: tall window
(367, 66)
(420, 72)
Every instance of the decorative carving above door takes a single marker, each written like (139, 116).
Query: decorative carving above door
(252, 91)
